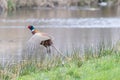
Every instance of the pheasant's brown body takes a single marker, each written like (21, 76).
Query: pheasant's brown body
(45, 38)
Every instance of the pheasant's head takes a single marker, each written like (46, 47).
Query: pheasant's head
(31, 28)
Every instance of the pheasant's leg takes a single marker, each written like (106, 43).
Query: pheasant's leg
(48, 50)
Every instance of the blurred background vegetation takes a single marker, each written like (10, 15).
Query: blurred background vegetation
(14, 4)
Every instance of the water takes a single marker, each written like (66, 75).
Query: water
(71, 28)
(66, 23)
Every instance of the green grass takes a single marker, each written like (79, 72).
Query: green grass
(103, 64)
(104, 68)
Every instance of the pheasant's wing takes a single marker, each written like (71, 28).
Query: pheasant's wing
(37, 38)
(34, 42)
(47, 35)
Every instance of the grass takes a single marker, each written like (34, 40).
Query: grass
(102, 66)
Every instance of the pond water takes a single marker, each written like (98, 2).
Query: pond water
(71, 28)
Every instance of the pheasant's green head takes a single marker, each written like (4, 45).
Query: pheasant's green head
(31, 27)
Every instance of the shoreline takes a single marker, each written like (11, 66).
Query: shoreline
(10, 5)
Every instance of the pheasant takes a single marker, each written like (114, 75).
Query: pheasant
(39, 38)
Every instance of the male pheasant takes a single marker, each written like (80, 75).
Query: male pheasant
(42, 39)
(38, 39)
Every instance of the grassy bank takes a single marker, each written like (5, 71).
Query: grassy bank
(104, 68)
(105, 65)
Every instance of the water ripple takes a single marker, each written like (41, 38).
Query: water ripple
(70, 23)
